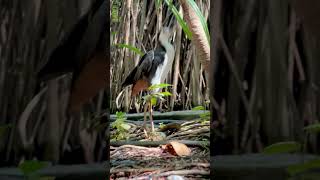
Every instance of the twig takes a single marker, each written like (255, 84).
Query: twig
(196, 131)
(112, 171)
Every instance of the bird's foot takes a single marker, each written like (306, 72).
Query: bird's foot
(156, 136)
(148, 134)
(142, 130)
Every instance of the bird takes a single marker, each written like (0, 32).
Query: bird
(83, 52)
(153, 68)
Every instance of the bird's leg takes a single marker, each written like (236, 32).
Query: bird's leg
(160, 107)
(145, 114)
(145, 118)
(151, 118)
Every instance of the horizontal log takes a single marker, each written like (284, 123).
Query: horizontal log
(184, 115)
(256, 166)
(164, 121)
(157, 143)
(240, 167)
(62, 172)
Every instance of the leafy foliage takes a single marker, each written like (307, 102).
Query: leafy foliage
(180, 20)
(153, 96)
(158, 3)
(198, 108)
(121, 127)
(115, 11)
(132, 48)
(282, 147)
(292, 146)
(314, 128)
(156, 86)
(204, 116)
(161, 125)
(299, 168)
(30, 169)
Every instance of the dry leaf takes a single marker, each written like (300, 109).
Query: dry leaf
(176, 148)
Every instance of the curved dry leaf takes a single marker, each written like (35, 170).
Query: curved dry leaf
(180, 149)
(22, 123)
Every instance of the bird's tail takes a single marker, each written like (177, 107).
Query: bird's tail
(129, 79)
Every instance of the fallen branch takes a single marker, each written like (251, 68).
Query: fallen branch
(185, 115)
(190, 133)
(113, 171)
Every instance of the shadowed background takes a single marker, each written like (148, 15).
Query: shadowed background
(36, 125)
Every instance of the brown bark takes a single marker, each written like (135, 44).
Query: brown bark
(198, 34)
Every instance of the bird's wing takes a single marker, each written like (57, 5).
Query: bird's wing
(62, 59)
(90, 75)
(95, 37)
(77, 45)
(146, 68)
(136, 73)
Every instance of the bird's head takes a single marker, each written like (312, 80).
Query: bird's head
(165, 34)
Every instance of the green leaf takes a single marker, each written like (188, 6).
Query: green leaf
(125, 126)
(153, 101)
(166, 93)
(314, 128)
(205, 116)
(28, 167)
(146, 97)
(180, 20)
(161, 125)
(155, 86)
(198, 108)
(115, 11)
(299, 168)
(132, 48)
(306, 176)
(120, 114)
(282, 147)
(158, 3)
(195, 7)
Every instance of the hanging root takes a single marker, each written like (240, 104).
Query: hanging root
(118, 97)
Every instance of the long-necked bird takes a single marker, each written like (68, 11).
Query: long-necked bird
(83, 51)
(153, 67)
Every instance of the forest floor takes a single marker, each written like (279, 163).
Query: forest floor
(178, 149)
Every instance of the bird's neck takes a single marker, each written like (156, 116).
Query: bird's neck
(169, 49)
(170, 56)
